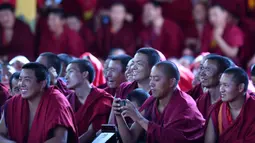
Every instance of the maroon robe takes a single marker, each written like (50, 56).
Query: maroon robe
(88, 38)
(180, 122)
(95, 110)
(61, 85)
(241, 130)
(196, 91)
(69, 42)
(52, 111)
(170, 41)
(4, 94)
(111, 91)
(22, 42)
(232, 35)
(106, 40)
(125, 88)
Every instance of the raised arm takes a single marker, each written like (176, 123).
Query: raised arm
(4, 131)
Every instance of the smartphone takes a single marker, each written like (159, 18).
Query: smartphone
(123, 103)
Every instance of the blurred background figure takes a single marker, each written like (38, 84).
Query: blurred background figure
(18, 61)
(13, 84)
(65, 60)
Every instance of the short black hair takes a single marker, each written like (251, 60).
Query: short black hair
(253, 70)
(85, 65)
(52, 61)
(65, 58)
(7, 6)
(13, 76)
(124, 59)
(138, 95)
(218, 5)
(239, 76)
(118, 3)
(152, 54)
(169, 69)
(221, 62)
(41, 72)
(57, 11)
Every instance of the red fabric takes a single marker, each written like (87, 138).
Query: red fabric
(13, 2)
(186, 78)
(111, 91)
(69, 42)
(95, 110)
(88, 38)
(61, 85)
(196, 91)
(52, 111)
(232, 35)
(204, 104)
(99, 78)
(4, 94)
(102, 86)
(242, 130)
(106, 40)
(22, 42)
(169, 42)
(125, 88)
(180, 121)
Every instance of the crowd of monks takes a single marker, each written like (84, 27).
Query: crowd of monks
(162, 71)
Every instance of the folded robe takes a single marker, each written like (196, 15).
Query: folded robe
(196, 91)
(241, 130)
(52, 111)
(125, 88)
(180, 122)
(4, 94)
(95, 110)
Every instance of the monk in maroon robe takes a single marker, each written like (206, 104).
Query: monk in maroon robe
(58, 38)
(53, 63)
(40, 113)
(143, 61)
(92, 106)
(163, 35)
(16, 37)
(211, 71)
(116, 72)
(231, 120)
(222, 37)
(168, 116)
(118, 34)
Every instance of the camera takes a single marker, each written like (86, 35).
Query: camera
(122, 103)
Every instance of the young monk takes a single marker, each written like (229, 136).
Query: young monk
(116, 72)
(58, 38)
(40, 113)
(16, 37)
(163, 35)
(118, 34)
(13, 83)
(231, 120)
(221, 37)
(91, 105)
(168, 116)
(143, 61)
(210, 74)
(129, 71)
(53, 63)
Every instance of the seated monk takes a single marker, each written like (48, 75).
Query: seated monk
(118, 34)
(91, 105)
(116, 72)
(16, 37)
(65, 60)
(231, 120)
(13, 83)
(143, 61)
(138, 97)
(129, 71)
(221, 37)
(58, 38)
(53, 63)
(168, 116)
(163, 35)
(40, 113)
(210, 74)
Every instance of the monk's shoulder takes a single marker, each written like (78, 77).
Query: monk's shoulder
(104, 96)
(185, 100)
(124, 87)
(58, 99)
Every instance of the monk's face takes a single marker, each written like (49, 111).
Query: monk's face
(73, 23)
(159, 83)
(7, 18)
(117, 14)
(74, 78)
(209, 76)
(129, 71)
(106, 64)
(15, 87)
(150, 12)
(115, 75)
(29, 87)
(55, 22)
(229, 90)
(199, 13)
(217, 16)
(141, 68)
(253, 80)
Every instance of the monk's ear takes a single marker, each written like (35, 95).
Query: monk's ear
(172, 82)
(220, 76)
(241, 87)
(43, 84)
(85, 74)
